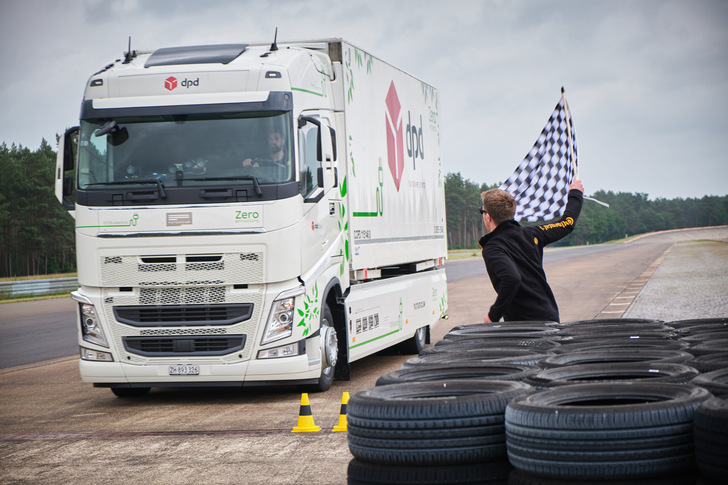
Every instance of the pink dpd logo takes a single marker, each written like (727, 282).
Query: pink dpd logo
(395, 138)
(170, 83)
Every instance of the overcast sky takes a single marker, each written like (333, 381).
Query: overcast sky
(646, 80)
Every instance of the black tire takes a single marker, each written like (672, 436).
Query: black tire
(508, 333)
(430, 423)
(716, 382)
(626, 329)
(492, 372)
(415, 344)
(711, 439)
(604, 431)
(625, 333)
(608, 373)
(709, 362)
(719, 346)
(534, 343)
(721, 328)
(503, 356)
(599, 326)
(483, 346)
(360, 472)
(696, 322)
(505, 326)
(517, 477)
(703, 337)
(615, 356)
(621, 339)
(611, 321)
(130, 391)
(619, 344)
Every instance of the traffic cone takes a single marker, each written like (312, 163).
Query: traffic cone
(342, 414)
(305, 418)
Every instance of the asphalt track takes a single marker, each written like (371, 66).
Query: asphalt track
(56, 429)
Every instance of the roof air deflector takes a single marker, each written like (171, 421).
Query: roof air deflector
(197, 54)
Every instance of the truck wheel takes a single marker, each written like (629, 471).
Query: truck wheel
(329, 344)
(130, 391)
(415, 344)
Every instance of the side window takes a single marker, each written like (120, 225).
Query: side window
(307, 140)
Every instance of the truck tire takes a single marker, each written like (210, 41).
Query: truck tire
(430, 423)
(422, 373)
(329, 352)
(711, 439)
(604, 431)
(614, 372)
(415, 344)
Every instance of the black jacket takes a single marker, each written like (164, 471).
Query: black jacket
(513, 257)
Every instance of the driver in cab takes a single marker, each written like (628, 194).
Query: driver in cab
(277, 153)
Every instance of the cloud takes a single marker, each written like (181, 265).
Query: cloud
(646, 81)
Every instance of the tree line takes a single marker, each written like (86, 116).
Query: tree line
(628, 214)
(37, 234)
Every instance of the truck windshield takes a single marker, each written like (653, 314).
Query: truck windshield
(186, 150)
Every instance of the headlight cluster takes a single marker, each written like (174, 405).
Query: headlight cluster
(280, 322)
(90, 328)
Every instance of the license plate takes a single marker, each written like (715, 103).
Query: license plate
(184, 370)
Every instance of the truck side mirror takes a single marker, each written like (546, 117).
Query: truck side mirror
(65, 163)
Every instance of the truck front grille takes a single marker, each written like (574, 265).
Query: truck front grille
(183, 346)
(186, 315)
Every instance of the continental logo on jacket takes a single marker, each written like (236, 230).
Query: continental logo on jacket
(569, 221)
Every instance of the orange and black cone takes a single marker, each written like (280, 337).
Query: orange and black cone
(305, 418)
(342, 414)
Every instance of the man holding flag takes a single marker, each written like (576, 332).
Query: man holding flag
(544, 186)
(513, 256)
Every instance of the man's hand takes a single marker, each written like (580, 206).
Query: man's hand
(487, 319)
(576, 184)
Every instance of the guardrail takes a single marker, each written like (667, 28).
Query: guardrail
(16, 289)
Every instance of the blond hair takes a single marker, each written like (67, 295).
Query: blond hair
(499, 204)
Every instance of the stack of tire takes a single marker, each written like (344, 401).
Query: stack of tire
(625, 399)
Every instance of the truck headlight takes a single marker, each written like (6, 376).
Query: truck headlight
(95, 355)
(280, 321)
(290, 350)
(90, 328)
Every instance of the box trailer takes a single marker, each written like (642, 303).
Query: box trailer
(253, 214)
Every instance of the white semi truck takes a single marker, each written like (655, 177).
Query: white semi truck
(252, 214)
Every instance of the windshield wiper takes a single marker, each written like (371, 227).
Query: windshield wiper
(258, 190)
(160, 185)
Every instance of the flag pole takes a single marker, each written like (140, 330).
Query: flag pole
(571, 148)
(574, 167)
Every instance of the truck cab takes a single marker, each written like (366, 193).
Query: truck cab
(212, 216)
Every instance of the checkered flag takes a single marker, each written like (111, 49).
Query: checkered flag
(541, 182)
